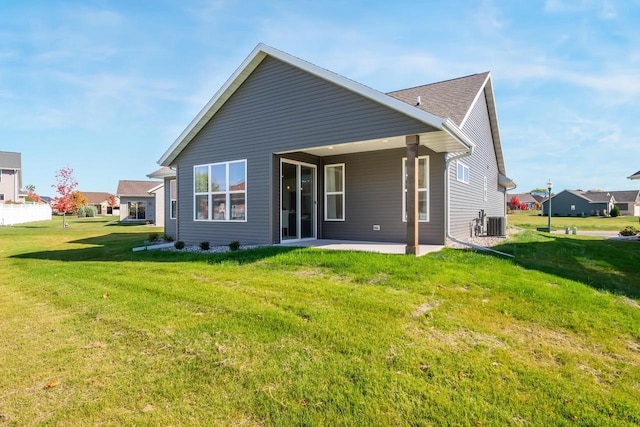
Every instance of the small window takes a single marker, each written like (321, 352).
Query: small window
(463, 173)
(220, 191)
(1, 197)
(173, 198)
(334, 200)
(573, 207)
(485, 189)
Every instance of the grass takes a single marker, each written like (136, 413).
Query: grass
(531, 219)
(94, 334)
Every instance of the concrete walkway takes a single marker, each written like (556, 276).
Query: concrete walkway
(352, 245)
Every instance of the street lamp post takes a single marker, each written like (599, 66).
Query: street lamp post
(549, 187)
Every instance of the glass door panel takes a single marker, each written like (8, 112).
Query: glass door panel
(307, 205)
(298, 201)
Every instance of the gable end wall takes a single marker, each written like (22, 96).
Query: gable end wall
(466, 200)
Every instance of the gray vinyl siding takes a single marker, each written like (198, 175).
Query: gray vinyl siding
(169, 223)
(466, 200)
(278, 108)
(373, 196)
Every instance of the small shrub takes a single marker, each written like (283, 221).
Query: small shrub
(179, 245)
(615, 212)
(234, 246)
(168, 238)
(629, 231)
(204, 246)
(153, 237)
(88, 211)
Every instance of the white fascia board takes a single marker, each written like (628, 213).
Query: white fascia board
(466, 116)
(251, 63)
(457, 134)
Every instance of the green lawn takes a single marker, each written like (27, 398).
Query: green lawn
(531, 219)
(94, 334)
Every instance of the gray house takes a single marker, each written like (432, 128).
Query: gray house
(628, 201)
(579, 203)
(10, 176)
(288, 151)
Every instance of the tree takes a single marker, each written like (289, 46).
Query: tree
(515, 202)
(112, 202)
(32, 196)
(79, 200)
(65, 184)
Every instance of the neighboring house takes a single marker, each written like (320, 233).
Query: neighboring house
(287, 151)
(170, 193)
(525, 198)
(141, 201)
(10, 176)
(579, 203)
(101, 202)
(627, 201)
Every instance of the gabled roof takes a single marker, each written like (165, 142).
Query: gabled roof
(523, 197)
(135, 188)
(598, 196)
(456, 141)
(451, 98)
(621, 196)
(10, 160)
(591, 197)
(455, 99)
(635, 175)
(95, 198)
(163, 172)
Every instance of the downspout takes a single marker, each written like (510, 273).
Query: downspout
(447, 163)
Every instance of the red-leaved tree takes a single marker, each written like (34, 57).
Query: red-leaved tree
(515, 202)
(65, 185)
(112, 202)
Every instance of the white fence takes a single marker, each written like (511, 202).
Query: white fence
(17, 214)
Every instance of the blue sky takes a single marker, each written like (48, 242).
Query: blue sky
(106, 86)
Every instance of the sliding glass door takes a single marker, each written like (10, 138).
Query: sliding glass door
(297, 200)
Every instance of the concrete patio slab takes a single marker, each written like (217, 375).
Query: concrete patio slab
(352, 245)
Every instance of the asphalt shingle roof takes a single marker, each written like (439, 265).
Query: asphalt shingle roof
(136, 188)
(448, 99)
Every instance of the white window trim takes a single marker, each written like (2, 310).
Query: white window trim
(227, 192)
(334, 193)
(464, 178)
(426, 189)
(173, 198)
(485, 189)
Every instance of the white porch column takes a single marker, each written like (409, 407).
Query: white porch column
(413, 243)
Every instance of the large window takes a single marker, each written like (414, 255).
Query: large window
(173, 200)
(334, 192)
(462, 173)
(137, 210)
(220, 191)
(423, 188)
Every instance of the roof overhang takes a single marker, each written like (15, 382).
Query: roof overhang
(635, 175)
(451, 138)
(506, 182)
